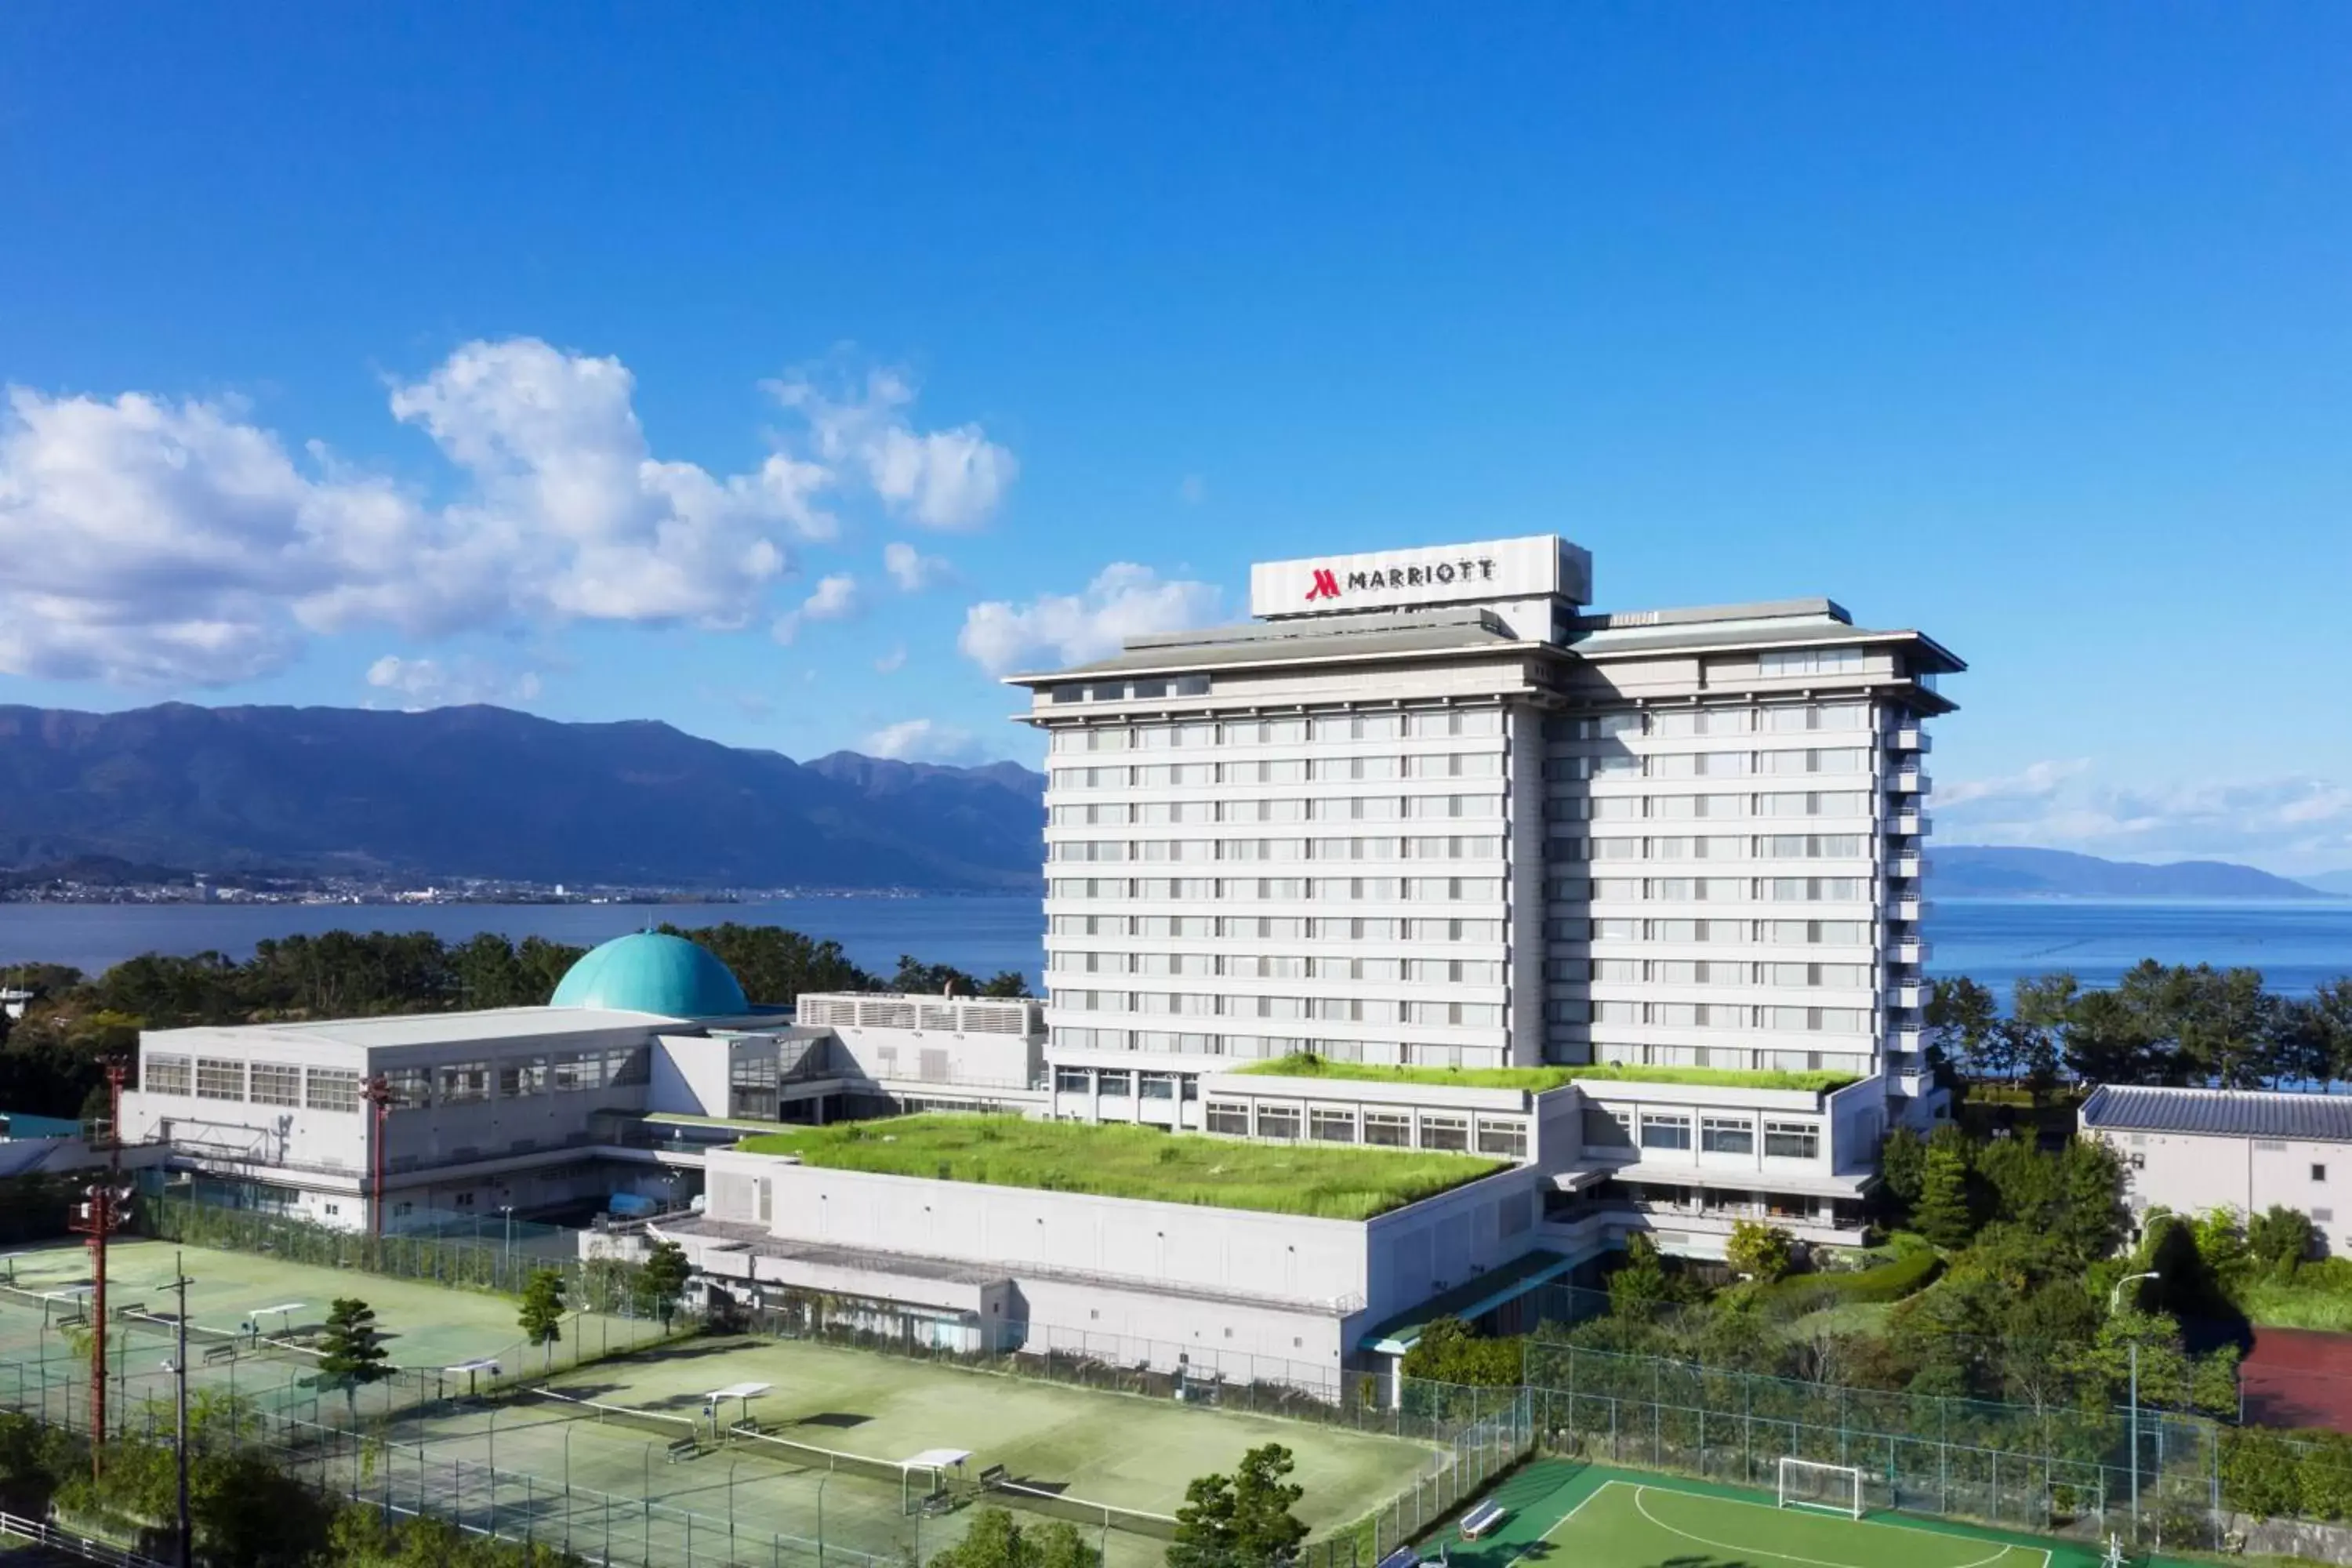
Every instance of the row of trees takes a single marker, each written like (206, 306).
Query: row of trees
(51, 1060)
(245, 1509)
(2158, 1025)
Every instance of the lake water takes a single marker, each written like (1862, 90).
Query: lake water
(2296, 945)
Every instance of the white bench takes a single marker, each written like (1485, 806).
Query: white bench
(1482, 1519)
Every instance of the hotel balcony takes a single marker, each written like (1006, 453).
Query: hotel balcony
(1908, 821)
(1913, 952)
(1910, 738)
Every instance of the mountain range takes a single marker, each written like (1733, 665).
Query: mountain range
(1992, 871)
(240, 794)
(486, 791)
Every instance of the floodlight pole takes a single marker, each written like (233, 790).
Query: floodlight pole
(180, 1373)
(109, 1205)
(2115, 1298)
(377, 1092)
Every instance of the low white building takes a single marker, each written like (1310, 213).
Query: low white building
(648, 1055)
(2190, 1150)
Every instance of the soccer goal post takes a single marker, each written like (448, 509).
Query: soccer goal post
(1834, 1489)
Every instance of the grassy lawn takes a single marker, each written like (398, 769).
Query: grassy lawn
(2271, 1304)
(1543, 1077)
(1131, 1162)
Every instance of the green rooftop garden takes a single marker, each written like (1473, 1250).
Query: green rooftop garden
(1543, 1077)
(1126, 1162)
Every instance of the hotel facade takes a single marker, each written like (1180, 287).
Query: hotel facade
(1426, 810)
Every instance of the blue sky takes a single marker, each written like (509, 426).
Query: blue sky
(592, 358)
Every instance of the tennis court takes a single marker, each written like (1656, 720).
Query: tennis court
(1598, 1517)
(836, 1423)
(247, 1314)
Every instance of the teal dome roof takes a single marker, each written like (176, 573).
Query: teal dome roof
(647, 971)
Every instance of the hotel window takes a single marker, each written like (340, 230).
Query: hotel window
(1615, 931)
(1072, 1081)
(1616, 1012)
(1811, 662)
(1607, 1129)
(1665, 1131)
(1792, 1140)
(331, 1088)
(1329, 1126)
(1448, 1134)
(1387, 1128)
(462, 1083)
(1277, 1121)
(1156, 1085)
(412, 1088)
(1719, 1135)
(1504, 1139)
(164, 1075)
(1221, 1116)
(1113, 1083)
(219, 1080)
(574, 1070)
(277, 1083)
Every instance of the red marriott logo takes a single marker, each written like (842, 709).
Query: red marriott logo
(1325, 587)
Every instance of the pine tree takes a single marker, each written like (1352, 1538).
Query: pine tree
(351, 1352)
(663, 1279)
(543, 1310)
(1942, 1212)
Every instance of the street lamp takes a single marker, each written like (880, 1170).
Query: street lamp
(2115, 1298)
(507, 1267)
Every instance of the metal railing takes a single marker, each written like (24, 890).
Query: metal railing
(82, 1546)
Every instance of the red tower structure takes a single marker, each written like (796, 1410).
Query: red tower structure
(105, 1209)
(377, 1092)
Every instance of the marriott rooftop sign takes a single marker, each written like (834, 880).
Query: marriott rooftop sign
(1543, 566)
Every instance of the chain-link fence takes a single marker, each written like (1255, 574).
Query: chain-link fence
(2056, 1469)
(443, 1247)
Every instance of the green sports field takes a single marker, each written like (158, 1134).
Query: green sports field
(1593, 1517)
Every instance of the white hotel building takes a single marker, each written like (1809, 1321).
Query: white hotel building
(1426, 810)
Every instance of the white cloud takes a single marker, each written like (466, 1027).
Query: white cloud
(153, 542)
(2285, 825)
(941, 479)
(922, 740)
(912, 570)
(837, 599)
(889, 663)
(428, 683)
(1124, 600)
(2039, 780)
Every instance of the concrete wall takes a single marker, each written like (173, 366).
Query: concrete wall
(691, 1074)
(2190, 1172)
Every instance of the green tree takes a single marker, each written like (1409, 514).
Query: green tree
(1760, 1251)
(351, 1352)
(1960, 1016)
(1005, 983)
(1640, 1286)
(2091, 1215)
(997, 1540)
(2281, 1234)
(1902, 1163)
(1242, 1521)
(663, 1278)
(1451, 1351)
(543, 1310)
(1942, 1214)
